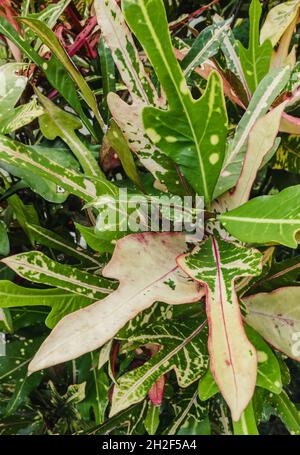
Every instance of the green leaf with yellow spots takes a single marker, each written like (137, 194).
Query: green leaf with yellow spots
(196, 143)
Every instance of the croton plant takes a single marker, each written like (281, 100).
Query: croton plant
(113, 330)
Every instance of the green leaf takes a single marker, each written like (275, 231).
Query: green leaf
(107, 73)
(276, 317)
(127, 422)
(247, 423)
(59, 123)
(49, 38)
(61, 302)
(13, 370)
(151, 421)
(42, 186)
(190, 415)
(4, 240)
(216, 264)
(265, 94)
(183, 348)
(20, 116)
(101, 241)
(52, 240)
(55, 72)
(100, 322)
(35, 266)
(197, 147)
(205, 46)
(17, 154)
(266, 219)
(24, 214)
(256, 59)
(97, 387)
(268, 371)
(142, 92)
(287, 411)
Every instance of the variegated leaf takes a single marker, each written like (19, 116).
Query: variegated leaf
(190, 413)
(205, 46)
(60, 301)
(197, 147)
(266, 219)
(261, 140)
(276, 316)
(145, 265)
(48, 37)
(217, 264)
(17, 154)
(35, 266)
(264, 96)
(59, 123)
(288, 154)
(20, 116)
(129, 117)
(12, 86)
(278, 19)
(183, 348)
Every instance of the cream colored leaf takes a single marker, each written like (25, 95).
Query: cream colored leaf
(276, 316)
(145, 265)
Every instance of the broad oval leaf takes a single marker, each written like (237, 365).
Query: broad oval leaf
(266, 219)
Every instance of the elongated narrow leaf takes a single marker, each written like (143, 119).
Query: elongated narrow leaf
(60, 301)
(49, 238)
(216, 264)
(276, 316)
(267, 219)
(49, 38)
(59, 123)
(287, 411)
(183, 349)
(17, 154)
(261, 141)
(268, 369)
(269, 88)
(256, 59)
(129, 117)
(190, 414)
(159, 279)
(246, 425)
(20, 116)
(37, 267)
(197, 147)
(4, 240)
(55, 72)
(205, 46)
(13, 371)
